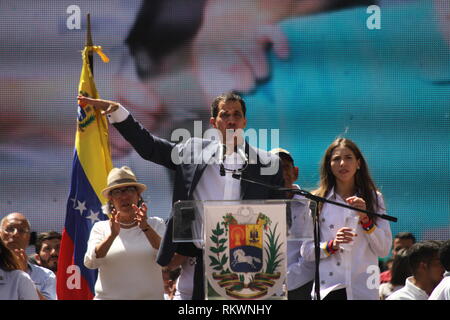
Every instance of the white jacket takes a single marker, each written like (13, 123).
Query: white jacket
(356, 269)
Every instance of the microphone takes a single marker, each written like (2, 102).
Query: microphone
(222, 150)
(222, 154)
(241, 153)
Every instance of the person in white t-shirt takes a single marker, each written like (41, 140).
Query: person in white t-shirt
(351, 241)
(442, 291)
(427, 272)
(124, 249)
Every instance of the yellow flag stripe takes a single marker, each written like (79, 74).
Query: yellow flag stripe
(91, 139)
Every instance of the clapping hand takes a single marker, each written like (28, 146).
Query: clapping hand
(114, 222)
(21, 258)
(141, 215)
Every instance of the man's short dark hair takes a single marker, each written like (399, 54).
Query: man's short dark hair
(444, 255)
(405, 236)
(422, 252)
(226, 97)
(46, 236)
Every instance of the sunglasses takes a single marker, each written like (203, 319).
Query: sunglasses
(116, 193)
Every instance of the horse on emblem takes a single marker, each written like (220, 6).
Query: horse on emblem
(240, 257)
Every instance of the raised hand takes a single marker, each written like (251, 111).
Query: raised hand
(114, 222)
(141, 215)
(21, 258)
(106, 106)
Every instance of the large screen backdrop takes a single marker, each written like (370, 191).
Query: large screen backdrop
(380, 78)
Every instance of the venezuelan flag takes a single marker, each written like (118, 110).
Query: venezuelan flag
(91, 165)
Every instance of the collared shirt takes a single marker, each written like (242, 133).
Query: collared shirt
(355, 269)
(213, 186)
(442, 291)
(409, 292)
(44, 280)
(299, 270)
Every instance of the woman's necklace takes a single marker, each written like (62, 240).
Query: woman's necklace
(127, 224)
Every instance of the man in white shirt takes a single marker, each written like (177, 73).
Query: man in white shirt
(442, 291)
(427, 272)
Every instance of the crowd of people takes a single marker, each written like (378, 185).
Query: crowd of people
(351, 241)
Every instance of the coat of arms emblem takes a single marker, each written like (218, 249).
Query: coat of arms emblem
(246, 259)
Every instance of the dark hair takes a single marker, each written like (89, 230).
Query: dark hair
(8, 261)
(160, 28)
(287, 157)
(225, 97)
(405, 236)
(444, 255)
(400, 268)
(363, 181)
(422, 252)
(341, 4)
(174, 274)
(45, 236)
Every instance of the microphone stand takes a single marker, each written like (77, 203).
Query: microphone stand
(315, 199)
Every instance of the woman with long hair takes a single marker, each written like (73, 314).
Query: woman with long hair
(15, 284)
(349, 250)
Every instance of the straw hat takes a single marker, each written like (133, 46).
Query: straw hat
(122, 177)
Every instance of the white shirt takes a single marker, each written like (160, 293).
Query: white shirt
(356, 269)
(185, 282)
(442, 291)
(211, 186)
(129, 270)
(16, 285)
(409, 292)
(386, 289)
(299, 270)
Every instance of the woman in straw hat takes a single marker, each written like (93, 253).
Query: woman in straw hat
(124, 249)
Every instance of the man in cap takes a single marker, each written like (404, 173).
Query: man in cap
(300, 273)
(15, 233)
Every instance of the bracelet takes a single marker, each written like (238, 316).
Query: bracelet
(329, 248)
(369, 226)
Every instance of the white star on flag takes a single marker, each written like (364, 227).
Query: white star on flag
(81, 207)
(93, 216)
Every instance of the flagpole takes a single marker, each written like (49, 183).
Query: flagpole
(90, 43)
